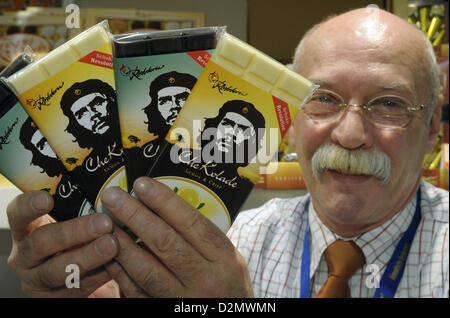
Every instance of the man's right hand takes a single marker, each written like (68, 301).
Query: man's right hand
(42, 249)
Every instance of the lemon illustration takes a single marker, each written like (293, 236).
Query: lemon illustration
(123, 182)
(189, 195)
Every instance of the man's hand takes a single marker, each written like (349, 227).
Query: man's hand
(42, 249)
(185, 254)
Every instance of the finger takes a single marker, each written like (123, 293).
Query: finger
(52, 238)
(200, 232)
(108, 290)
(143, 268)
(87, 285)
(128, 288)
(24, 209)
(168, 246)
(54, 272)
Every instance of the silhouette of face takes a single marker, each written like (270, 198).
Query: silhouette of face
(91, 112)
(170, 101)
(233, 130)
(41, 144)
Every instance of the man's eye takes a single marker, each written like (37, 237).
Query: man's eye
(97, 101)
(164, 100)
(389, 102)
(227, 122)
(325, 98)
(41, 144)
(243, 128)
(183, 96)
(80, 114)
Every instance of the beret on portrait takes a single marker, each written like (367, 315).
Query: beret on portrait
(81, 89)
(171, 79)
(26, 133)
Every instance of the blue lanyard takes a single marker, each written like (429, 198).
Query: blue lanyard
(394, 270)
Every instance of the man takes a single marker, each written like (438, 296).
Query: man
(361, 57)
(93, 121)
(66, 192)
(43, 155)
(92, 112)
(168, 93)
(234, 135)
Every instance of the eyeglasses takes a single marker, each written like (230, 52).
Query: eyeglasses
(387, 111)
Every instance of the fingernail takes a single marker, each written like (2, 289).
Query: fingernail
(112, 198)
(40, 202)
(100, 224)
(142, 185)
(105, 246)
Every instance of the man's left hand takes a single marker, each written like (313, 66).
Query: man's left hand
(185, 254)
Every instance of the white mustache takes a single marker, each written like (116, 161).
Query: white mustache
(354, 162)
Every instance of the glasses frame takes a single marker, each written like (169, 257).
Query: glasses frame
(411, 109)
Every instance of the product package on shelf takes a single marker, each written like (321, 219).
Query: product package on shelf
(70, 95)
(288, 175)
(27, 160)
(155, 73)
(229, 129)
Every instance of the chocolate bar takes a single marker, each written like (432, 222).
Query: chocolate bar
(154, 73)
(229, 129)
(70, 95)
(27, 160)
(244, 61)
(19, 63)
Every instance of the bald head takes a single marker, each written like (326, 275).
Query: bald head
(374, 36)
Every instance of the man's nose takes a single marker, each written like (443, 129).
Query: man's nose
(175, 103)
(353, 130)
(93, 112)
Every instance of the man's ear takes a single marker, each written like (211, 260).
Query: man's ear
(435, 124)
(291, 136)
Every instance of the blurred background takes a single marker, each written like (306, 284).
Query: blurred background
(274, 27)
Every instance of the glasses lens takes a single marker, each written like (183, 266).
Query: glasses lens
(323, 105)
(390, 111)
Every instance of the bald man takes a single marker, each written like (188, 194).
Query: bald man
(368, 227)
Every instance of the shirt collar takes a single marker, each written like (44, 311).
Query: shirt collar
(373, 243)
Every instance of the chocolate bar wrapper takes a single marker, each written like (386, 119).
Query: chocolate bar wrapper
(148, 68)
(70, 95)
(30, 164)
(229, 129)
(19, 63)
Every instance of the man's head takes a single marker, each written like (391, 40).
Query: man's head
(360, 172)
(43, 155)
(168, 93)
(236, 132)
(90, 107)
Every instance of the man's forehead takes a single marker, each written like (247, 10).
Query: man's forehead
(172, 90)
(83, 101)
(363, 35)
(37, 136)
(238, 119)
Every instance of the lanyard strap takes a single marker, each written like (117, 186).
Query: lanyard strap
(394, 270)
